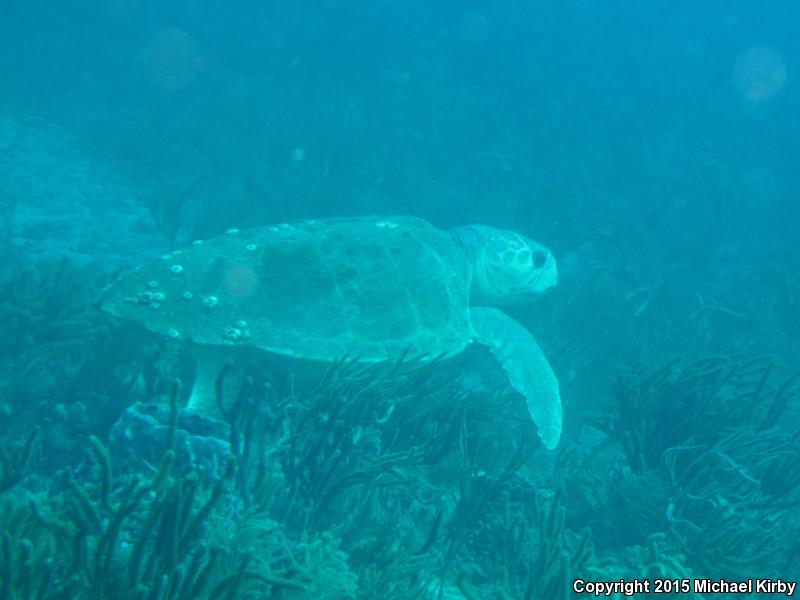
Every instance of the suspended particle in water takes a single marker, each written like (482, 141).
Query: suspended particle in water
(759, 73)
(172, 59)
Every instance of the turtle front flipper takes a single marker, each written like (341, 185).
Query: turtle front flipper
(527, 368)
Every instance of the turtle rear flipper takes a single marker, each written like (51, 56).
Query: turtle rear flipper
(527, 368)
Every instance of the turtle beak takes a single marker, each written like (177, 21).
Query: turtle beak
(545, 277)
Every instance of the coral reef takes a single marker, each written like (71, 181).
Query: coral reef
(713, 446)
(393, 480)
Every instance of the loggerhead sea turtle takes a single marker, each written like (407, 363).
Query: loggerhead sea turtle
(367, 287)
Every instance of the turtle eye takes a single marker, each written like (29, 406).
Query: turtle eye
(539, 258)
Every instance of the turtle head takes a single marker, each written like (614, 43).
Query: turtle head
(506, 264)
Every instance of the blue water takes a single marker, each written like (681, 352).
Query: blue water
(651, 146)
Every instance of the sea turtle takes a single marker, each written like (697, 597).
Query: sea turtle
(368, 287)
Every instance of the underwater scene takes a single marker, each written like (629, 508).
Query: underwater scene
(399, 299)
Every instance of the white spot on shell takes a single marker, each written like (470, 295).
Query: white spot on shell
(241, 324)
(177, 269)
(233, 334)
(158, 297)
(187, 295)
(210, 301)
(152, 284)
(251, 247)
(174, 334)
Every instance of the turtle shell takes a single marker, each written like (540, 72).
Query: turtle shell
(368, 287)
